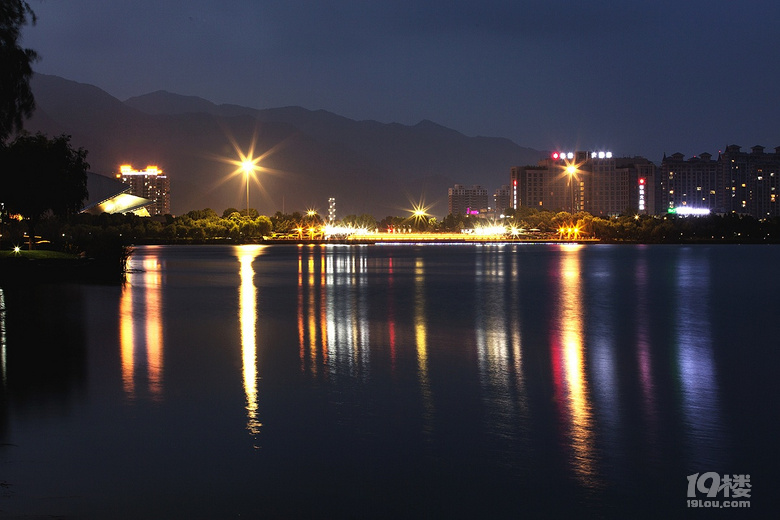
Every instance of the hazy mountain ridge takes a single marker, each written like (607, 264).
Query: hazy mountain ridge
(368, 166)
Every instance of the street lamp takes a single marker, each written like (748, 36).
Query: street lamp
(245, 164)
(248, 167)
(571, 171)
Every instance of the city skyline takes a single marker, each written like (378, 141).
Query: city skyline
(639, 78)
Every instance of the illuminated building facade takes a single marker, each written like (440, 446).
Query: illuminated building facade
(467, 201)
(151, 183)
(690, 183)
(739, 182)
(642, 184)
(748, 181)
(605, 186)
(595, 182)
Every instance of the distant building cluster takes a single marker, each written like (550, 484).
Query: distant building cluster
(151, 183)
(467, 201)
(602, 184)
(737, 181)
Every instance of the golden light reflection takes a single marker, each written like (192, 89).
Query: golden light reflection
(247, 308)
(323, 314)
(140, 309)
(301, 331)
(421, 339)
(126, 341)
(154, 346)
(569, 369)
(312, 321)
(333, 326)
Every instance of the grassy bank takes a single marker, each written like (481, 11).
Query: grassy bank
(45, 266)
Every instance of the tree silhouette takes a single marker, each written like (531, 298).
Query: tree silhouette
(42, 175)
(16, 97)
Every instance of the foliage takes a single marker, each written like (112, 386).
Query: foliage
(83, 232)
(16, 97)
(360, 221)
(43, 175)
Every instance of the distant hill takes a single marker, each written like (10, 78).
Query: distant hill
(370, 167)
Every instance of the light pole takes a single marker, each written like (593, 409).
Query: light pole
(571, 171)
(248, 167)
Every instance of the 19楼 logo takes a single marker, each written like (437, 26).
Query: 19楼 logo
(713, 485)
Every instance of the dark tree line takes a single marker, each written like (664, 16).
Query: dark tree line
(39, 175)
(16, 97)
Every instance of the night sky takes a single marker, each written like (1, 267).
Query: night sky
(635, 77)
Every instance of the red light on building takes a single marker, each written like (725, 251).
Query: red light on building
(641, 181)
(556, 155)
(514, 182)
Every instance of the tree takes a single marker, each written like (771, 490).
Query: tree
(16, 97)
(43, 175)
(360, 221)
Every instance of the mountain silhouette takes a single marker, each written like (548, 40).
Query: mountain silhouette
(308, 155)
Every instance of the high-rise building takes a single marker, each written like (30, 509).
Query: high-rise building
(748, 181)
(502, 199)
(605, 185)
(467, 201)
(740, 182)
(641, 183)
(691, 183)
(151, 184)
(590, 181)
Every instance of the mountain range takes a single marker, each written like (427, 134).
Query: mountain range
(307, 155)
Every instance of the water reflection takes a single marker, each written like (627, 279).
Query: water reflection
(141, 328)
(643, 353)
(698, 380)
(603, 323)
(497, 330)
(333, 322)
(421, 341)
(247, 313)
(570, 379)
(3, 352)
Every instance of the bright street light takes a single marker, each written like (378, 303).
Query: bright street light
(571, 171)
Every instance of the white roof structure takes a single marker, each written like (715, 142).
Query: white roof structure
(108, 195)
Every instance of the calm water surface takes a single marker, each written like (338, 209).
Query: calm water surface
(499, 381)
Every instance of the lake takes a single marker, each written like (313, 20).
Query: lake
(430, 381)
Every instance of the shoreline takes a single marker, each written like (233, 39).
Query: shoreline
(23, 268)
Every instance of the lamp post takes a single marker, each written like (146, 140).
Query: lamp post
(248, 167)
(571, 171)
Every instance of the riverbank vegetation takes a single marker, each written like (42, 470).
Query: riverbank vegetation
(97, 235)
